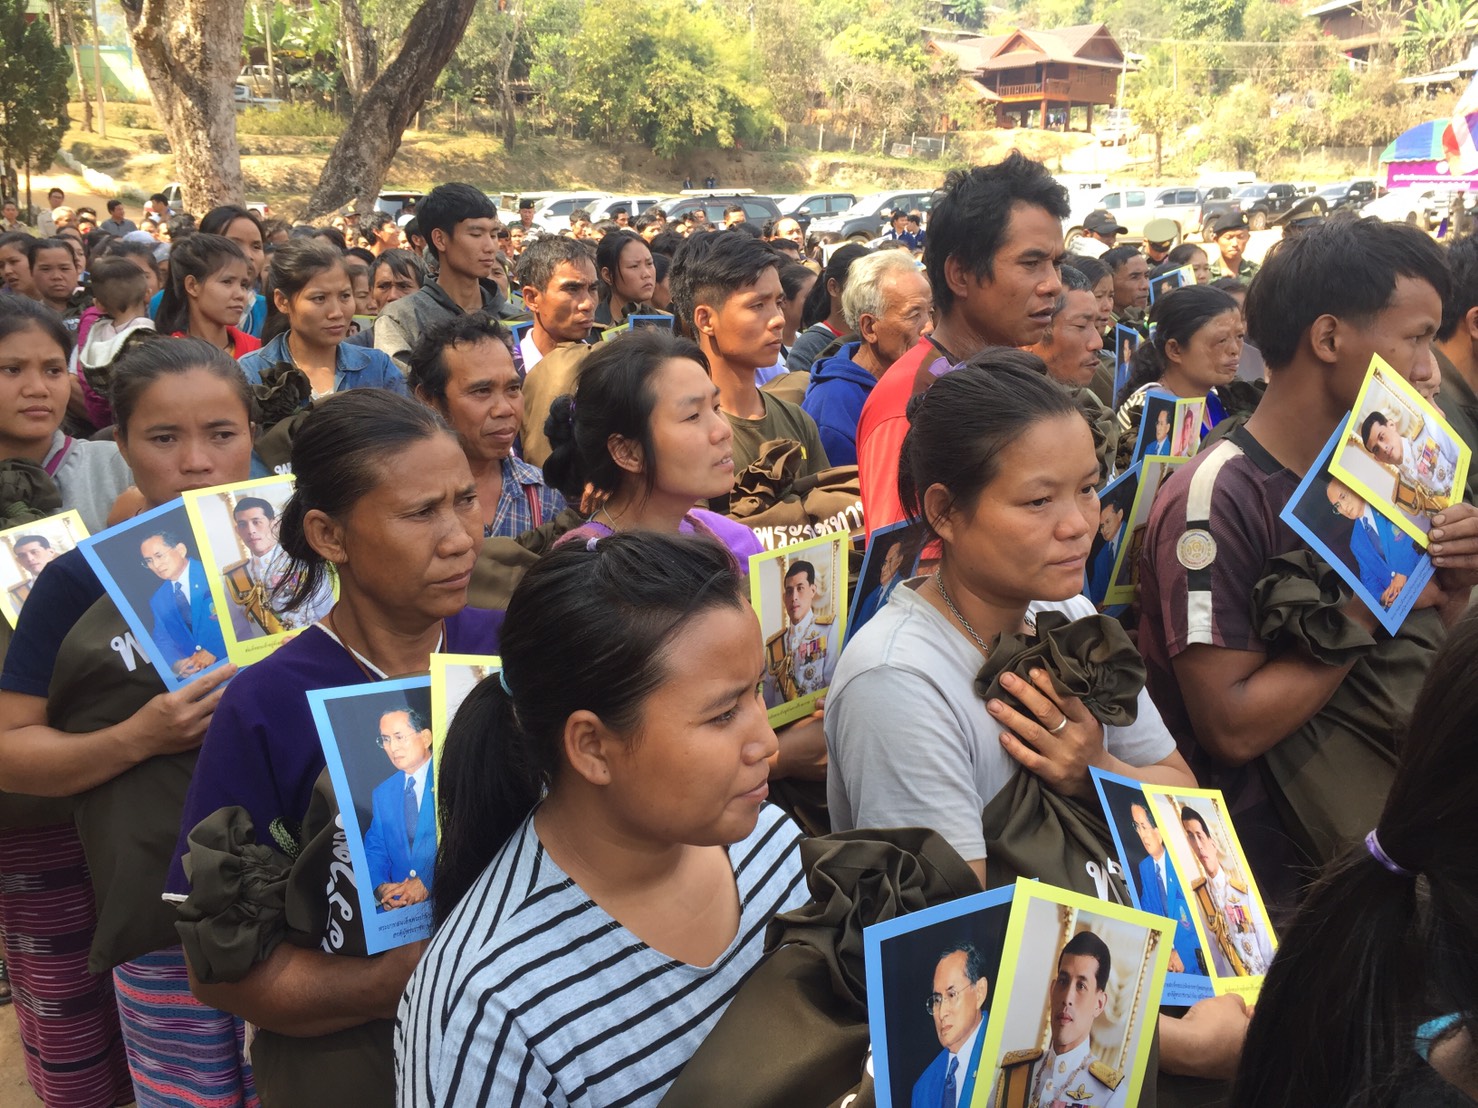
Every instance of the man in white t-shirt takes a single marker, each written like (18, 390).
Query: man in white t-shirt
(560, 291)
(1101, 231)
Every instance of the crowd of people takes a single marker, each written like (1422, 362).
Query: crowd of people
(583, 424)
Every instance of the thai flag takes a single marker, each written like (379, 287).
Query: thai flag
(1465, 132)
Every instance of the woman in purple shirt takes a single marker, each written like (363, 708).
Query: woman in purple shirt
(383, 495)
(646, 442)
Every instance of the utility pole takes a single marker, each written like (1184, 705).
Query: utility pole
(267, 31)
(97, 72)
(751, 42)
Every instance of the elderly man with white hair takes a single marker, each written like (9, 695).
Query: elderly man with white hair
(887, 303)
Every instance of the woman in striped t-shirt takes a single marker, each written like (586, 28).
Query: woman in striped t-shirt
(608, 864)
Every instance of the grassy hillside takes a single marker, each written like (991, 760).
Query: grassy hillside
(283, 153)
(282, 166)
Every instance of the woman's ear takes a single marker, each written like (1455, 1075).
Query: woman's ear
(1173, 351)
(626, 453)
(589, 746)
(281, 301)
(191, 285)
(939, 511)
(326, 536)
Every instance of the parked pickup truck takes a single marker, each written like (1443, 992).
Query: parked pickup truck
(1134, 207)
(1265, 205)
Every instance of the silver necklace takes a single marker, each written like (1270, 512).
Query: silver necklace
(950, 604)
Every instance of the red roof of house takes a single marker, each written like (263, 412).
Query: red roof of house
(1087, 44)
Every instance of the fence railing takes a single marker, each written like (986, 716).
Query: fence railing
(1052, 87)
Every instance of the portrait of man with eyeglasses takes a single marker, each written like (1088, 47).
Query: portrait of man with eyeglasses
(400, 844)
(956, 1005)
(186, 628)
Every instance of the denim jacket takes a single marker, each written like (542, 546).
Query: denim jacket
(357, 367)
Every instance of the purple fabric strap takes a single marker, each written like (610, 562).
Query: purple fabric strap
(1372, 844)
(60, 456)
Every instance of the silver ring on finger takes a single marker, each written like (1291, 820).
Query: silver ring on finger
(1060, 728)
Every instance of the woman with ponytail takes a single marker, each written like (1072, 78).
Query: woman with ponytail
(608, 864)
(1195, 345)
(646, 442)
(385, 502)
(1369, 1001)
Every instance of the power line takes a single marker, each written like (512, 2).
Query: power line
(1238, 42)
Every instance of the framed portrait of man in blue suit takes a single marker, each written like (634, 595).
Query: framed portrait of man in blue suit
(1155, 885)
(150, 567)
(377, 741)
(931, 979)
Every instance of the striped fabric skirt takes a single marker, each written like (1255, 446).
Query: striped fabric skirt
(182, 1054)
(68, 1017)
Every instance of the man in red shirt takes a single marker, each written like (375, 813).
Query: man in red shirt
(993, 256)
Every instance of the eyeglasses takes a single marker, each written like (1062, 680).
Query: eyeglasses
(390, 740)
(951, 996)
(149, 561)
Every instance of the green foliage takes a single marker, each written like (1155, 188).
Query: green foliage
(971, 13)
(290, 119)
(1209, 19)
(33, 88)
(1438, 31)
(301, 32)
(137, 119)
(664, 75)
(1154, 103)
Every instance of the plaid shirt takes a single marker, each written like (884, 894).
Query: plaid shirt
(523, 486)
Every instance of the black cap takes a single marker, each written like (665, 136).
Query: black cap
(1229, 221)
(1100, 222)
(525, 204)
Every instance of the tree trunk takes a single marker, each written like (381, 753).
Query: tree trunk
(358, 50)
(190, 51)
(505, 67)
(360, 159)
(69, 21)
(97, 73)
